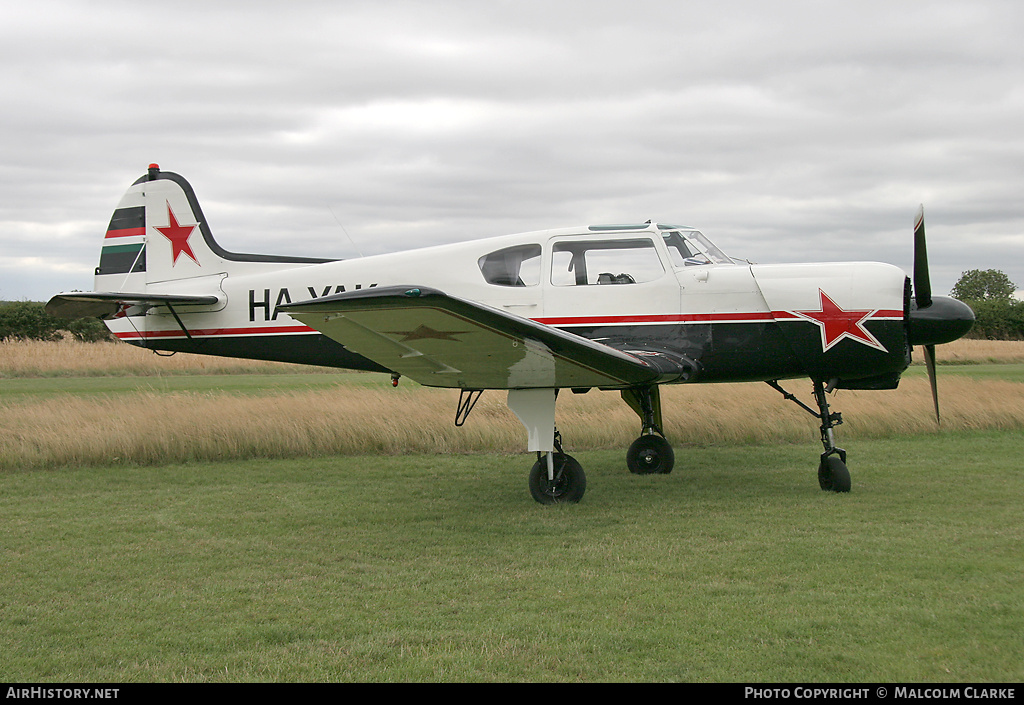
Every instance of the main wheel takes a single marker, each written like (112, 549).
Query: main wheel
(650, 454)
(568, 486)
(833, 475)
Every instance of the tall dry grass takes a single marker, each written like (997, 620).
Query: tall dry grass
(153, 428)
(72, 358)
(149, 428)
(966, 351)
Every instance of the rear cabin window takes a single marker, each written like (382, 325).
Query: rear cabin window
(512, 266)
(604, 262)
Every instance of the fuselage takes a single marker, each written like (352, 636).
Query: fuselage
(657, 286)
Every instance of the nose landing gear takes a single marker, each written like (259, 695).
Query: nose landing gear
(833, 475)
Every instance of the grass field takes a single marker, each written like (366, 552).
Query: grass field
(422, 568)
(422, 558)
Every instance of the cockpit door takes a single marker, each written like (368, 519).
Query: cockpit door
(609, 284)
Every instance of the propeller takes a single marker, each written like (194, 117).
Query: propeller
(922, 282)
(923, 298)
(933, 319)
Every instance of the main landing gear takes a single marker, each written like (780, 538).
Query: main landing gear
(833, 475)
(556, 477)
(651, 452)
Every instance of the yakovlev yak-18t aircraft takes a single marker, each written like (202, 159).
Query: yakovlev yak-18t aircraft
(617, 307)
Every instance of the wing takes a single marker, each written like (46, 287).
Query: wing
(444, 341)
(103, 304)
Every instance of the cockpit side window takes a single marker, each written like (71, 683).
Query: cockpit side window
(512, 266)
(585, 262)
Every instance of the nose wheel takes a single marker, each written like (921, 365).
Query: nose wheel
(833, 475)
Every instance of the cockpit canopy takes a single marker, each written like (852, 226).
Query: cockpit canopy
(588, 258)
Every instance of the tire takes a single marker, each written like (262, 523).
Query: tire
(650, 454)
(833, 475)
(568, 486)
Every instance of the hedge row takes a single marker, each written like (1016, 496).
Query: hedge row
(26, 320)
(997, 319)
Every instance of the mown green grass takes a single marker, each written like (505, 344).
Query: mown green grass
(735, 567)
(1010, 372)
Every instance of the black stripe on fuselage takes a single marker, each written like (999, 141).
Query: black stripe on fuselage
(758, 351)
(725, 352)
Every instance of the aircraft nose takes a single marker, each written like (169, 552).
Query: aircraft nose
(945, 320)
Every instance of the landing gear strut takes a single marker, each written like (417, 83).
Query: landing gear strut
(651, 452)
(833, 475)
(557, 477)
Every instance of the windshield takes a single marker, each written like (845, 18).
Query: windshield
(690, 247)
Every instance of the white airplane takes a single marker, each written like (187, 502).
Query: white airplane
(617, 307)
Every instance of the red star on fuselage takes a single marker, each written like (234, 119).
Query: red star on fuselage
(837, 323)
(178, 235)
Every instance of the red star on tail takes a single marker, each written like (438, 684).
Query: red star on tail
(837, 323)
(178, 235)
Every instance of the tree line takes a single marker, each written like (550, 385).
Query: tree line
(989, 292)
(1000, 316)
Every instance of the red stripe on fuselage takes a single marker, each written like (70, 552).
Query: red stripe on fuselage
(753, 317)
(655, 318)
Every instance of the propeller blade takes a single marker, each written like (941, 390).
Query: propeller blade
(929, 361)
(922, 282)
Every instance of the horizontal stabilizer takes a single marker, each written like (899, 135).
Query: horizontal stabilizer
(445, 341)
(105, 304)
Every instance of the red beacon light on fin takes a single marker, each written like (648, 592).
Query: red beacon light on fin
(154, 169)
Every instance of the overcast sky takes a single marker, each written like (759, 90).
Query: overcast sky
(786, 131)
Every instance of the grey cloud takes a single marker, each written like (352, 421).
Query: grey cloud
(788, 131)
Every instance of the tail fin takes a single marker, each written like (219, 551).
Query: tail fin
(158, 234)
(157, 238)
